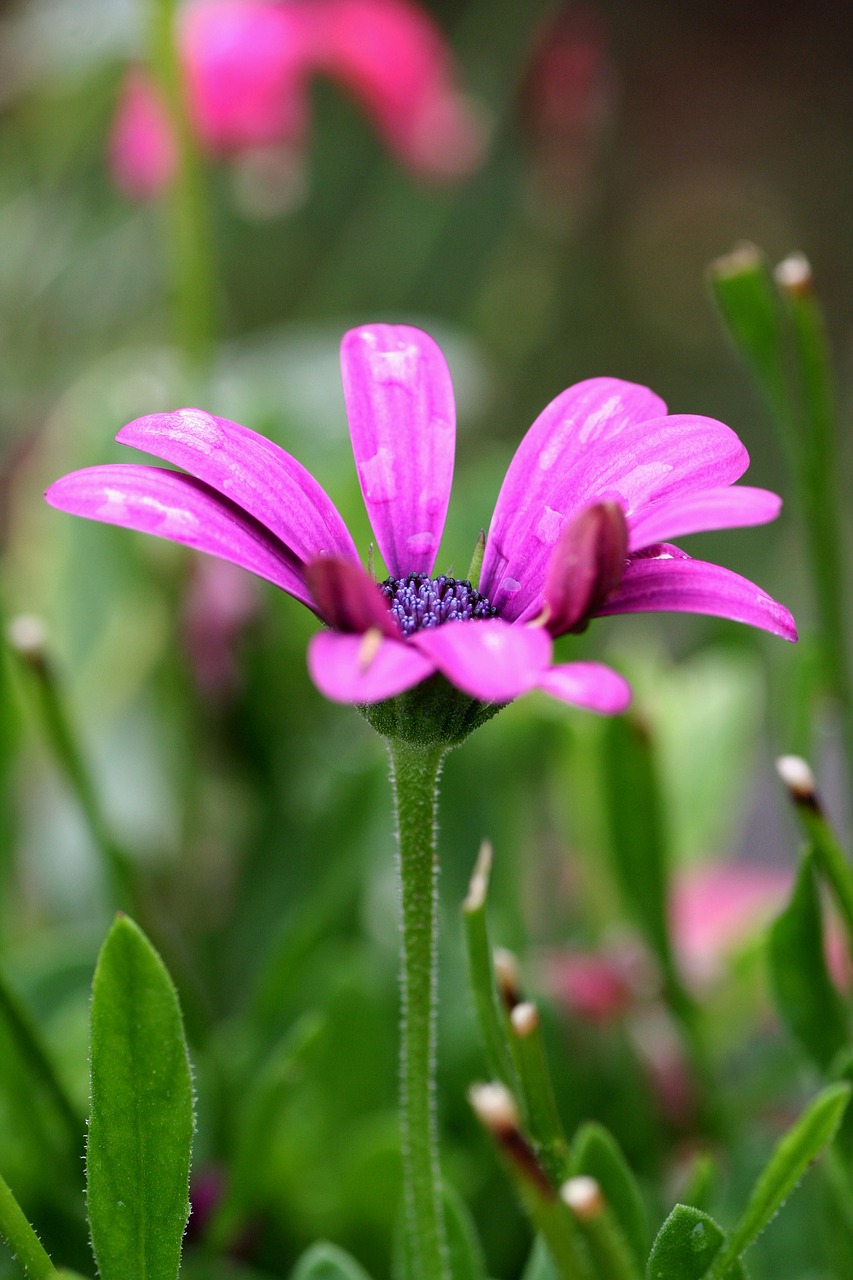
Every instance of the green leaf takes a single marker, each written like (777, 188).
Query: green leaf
(638, 840)
(141, 1123)
(806, 1000)
(539, 1264)
(597, 1154)
(686, 1245)
(326, 1262)
(798, 1149)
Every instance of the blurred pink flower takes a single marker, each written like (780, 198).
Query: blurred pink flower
(600, 477)
(597, 985)
(716, 908)
(219, 602)
(248, 65)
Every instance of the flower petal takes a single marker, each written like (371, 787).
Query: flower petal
(672, 581)
(348, 599)
(585, 416)
(402, 420)
(343, 670)
(252, 472)
(588, 684)
(589, 448)
(722, 508)
(490, 660)
(179, 507)
(586, 566)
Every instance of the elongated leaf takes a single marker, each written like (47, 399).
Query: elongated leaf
(326, 1262)
(807, 1001)
(799, 1148)
(686, 1245)
(141, 1123)
(539, 1264)
(597, 1154)
(638, 840)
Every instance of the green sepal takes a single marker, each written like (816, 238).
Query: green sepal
(807, 1001)
(596, 1153)
(686, 1245)
(141, 1122)
(326, 1262)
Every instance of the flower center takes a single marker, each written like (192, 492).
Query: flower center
(418, 601)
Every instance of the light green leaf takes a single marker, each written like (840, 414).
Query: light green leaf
(141, 1122)
(539, 1264)
(805, 997)
(326, 1262)
(686, 1245)
(798, 1149)
(598, 1155)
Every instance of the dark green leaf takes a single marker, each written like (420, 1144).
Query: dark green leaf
(141, 1124)
(686, 1245)
(326, 1262)
(596, 1153)
(805, 997)
(638, 841)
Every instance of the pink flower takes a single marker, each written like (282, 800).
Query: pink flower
(600, 478)
(248, 65)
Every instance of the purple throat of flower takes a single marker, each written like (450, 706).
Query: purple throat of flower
(418, 601)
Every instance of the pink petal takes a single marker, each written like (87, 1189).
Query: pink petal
(402, 421)
(671, 581)
(722, 508)
(247, 65)
(586, 566)
(251, 471)
(182, 509)
(588, 684)
(348, 599)
(142, 155)
(585, 416)
(344, 669)
(490, 660)
(394, 59)
(596, 443)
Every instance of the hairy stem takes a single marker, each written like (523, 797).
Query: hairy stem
(414, 777)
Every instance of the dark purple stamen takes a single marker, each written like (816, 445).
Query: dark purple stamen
(418, 601)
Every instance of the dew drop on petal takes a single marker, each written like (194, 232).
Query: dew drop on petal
(419, 542)
(550, 526)
(377, 476)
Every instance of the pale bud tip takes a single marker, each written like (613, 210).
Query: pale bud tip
(743, 258)
(508, 977)
(479, 884)
(797, 776)
(27, 635)
(794, 274)
(495, 1107)
(524, 1019)
(584, 1197)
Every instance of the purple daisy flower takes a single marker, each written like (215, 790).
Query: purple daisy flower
(601, 479)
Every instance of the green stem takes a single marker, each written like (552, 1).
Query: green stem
(21, 1239)
(415, 771)
(188, 234)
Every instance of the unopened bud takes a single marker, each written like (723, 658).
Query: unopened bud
(794, 275)
(27, 636)
(584, 1197)
(743, 258)
(524, 1019)
(495, 1108)
(508, 978)
(479, 885)
(797, 775)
